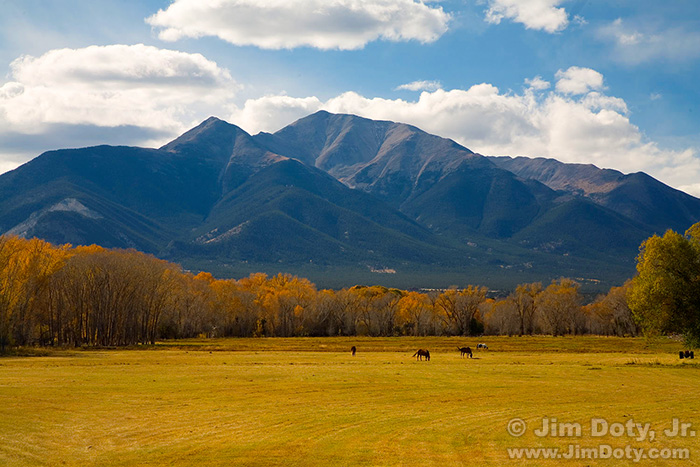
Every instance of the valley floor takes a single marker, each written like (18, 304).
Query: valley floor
(307, 401)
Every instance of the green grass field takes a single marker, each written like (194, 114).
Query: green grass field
(309, 402)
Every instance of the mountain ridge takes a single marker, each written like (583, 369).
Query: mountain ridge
(632, 195)
(334, 192)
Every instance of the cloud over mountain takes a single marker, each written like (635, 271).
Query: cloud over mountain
(110, 86)
(575, 122)
(286, 24)
(153, 93)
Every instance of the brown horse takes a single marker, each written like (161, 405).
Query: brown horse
(465, 351)
(353, 349)
(422, 353)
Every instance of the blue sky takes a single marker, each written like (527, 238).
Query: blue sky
(609, 83)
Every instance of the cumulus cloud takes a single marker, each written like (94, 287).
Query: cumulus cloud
(641, 43)
(109, 86)
(576, 80)
(116, 94)
(533, 14)
(583, 126)
(286, 24)
(420, 86)
(270, 113)
(537, 83)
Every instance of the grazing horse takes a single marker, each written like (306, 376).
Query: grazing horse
(465, 351)
(422, 353)
(482, 346)
(353, 349)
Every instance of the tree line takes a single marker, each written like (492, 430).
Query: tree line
(88, 295)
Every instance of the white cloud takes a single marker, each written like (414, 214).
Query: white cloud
(579, 20)
(537, 83)
(116, 94)
(420, 86)
(110, 86)
(286, 24)
(582, 127)
(640, 43)
(576, 80)
(622, 35)
(533, 14)
(270, 113)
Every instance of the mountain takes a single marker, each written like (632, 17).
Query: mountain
(427, 177)
(302, 213)
(343, 199)
(636, 196)
(387, 159)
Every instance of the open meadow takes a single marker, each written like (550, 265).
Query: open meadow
(307, 401)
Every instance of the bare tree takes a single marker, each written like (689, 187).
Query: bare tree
(524, 299)
(458, 308)
(559, 307)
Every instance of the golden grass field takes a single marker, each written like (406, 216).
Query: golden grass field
(308, 402)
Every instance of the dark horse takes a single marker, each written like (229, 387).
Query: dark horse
(422, 353)
(353, 349)
(465, 351)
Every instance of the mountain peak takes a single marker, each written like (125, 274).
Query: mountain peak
(320, 113)
(213, 119)
(212, 129)
(213, 139)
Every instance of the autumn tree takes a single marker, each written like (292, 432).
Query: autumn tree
(459, 309)
(388, 312)
(331, 314)
(415, 310)
(292, 296)
(365, 303)
(610, 314)
(253, 290)
(280, 302)
(559, 308)
(524, 300)
(233, 312)
(322, 319)
(193, 308)
(665, 294)
(112, 297)
(26, 267)
(502, 317)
